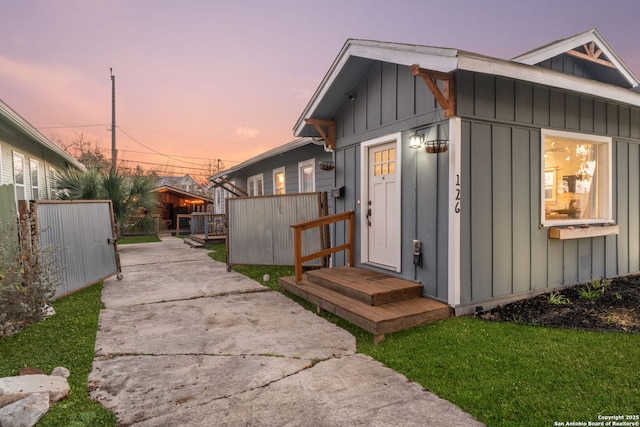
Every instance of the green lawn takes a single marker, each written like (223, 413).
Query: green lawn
(137, 239)
(506, 374)
(66, 339)
(503, 374)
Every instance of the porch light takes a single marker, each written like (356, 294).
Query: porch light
(415, 140)
(430, 139)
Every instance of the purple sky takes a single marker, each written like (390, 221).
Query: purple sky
(227, 80)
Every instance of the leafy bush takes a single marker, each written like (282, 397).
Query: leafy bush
(29, 277)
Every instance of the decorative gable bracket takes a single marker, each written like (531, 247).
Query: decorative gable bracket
(329, 135)
(446, 96)
(592, 54)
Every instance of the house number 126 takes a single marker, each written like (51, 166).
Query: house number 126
(457, 208)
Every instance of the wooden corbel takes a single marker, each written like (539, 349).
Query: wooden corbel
(592, 54)
(329, 135)
(446, 96)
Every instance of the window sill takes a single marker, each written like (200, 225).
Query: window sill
(564, 233)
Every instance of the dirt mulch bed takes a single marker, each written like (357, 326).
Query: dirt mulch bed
(616, 309)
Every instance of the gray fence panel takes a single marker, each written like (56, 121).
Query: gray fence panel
(80, 232)
(260, 233)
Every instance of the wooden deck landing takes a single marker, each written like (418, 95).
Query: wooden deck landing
(375, 302)
(209, 239)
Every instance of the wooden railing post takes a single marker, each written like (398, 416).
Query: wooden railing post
(320, 222)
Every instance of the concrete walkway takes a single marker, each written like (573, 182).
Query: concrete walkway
(183, 342)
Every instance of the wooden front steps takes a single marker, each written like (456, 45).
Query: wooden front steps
(376, 302)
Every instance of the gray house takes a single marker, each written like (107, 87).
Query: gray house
(300, 166)
(485, 180)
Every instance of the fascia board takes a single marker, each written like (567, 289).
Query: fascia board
(437, 59)
(267, 154)
(554, 49)
(36, 136)
(543, 76)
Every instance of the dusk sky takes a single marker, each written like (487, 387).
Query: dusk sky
(198, 81)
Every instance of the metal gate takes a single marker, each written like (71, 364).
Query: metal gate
(259, 228)
(83, 233)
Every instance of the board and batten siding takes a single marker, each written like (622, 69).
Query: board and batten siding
(391, 99)
(504, 250)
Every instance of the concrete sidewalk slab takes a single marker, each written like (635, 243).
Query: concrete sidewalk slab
(138, 388)
(348, 391)
(183, 342)
(243, 324)
(169, 281)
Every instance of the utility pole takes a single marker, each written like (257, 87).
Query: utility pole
(114, 153)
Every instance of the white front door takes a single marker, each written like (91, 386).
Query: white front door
(381, 237)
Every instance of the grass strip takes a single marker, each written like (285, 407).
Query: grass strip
(138, 239)
(65, 339)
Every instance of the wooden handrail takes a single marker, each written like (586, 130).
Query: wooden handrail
(319, 222)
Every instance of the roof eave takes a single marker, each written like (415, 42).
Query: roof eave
(300, 142)
(439, 59)
(482, 64)
(36, 136)
(562, 46)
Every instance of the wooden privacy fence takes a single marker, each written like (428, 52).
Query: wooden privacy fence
(259, 228)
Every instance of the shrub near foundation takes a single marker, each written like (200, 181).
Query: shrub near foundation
(28, 280)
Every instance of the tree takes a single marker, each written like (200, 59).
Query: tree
(132, 196)
(86, 152)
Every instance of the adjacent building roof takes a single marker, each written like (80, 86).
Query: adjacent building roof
(357, 56)
(301, 142)
(9, 115)
(182, 193)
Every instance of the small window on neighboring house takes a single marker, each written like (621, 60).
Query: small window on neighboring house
(307, 176)
(278, 181)
(18, 176)
(220, 196)
(53, 184)
(35, 182)
(255, 185)
(576, 178)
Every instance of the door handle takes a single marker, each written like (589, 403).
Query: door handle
(369, 217)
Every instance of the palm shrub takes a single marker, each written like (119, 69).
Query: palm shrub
(132, 196)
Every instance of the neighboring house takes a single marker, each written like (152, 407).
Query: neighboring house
(300, 166)
(532, 181)
(181, 196)
(185, 183)
(29, 161)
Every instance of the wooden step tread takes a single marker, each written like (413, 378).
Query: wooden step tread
(379, 319)
(366, 286)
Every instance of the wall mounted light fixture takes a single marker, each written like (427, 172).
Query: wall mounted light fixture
(430, 139)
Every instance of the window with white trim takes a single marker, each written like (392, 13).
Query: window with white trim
(53, 184)
(34, 167)
(307, 176)
(255, 185)
(576, 178)
(18, 176)
(279, 181)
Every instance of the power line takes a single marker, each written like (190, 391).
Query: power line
(71, 127)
